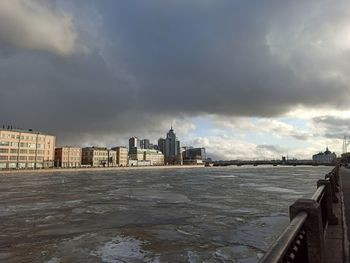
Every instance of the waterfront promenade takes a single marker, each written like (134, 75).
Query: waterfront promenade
(345, 183)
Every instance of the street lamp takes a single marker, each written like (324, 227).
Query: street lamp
(345, 142)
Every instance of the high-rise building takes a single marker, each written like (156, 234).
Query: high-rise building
(26, 149)
(161, 145)
(145, 144)
(134, 142)
(172, 151)
(68, 156)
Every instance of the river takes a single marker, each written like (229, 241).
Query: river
(216, 214)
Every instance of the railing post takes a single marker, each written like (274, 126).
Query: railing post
(331, 218)
(336, 174)
(335, 189)
(313, 227)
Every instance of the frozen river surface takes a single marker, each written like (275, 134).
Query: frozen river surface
(226, 214)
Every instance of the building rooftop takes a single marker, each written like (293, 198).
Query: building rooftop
(23, 130)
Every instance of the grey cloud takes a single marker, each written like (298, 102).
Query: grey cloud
(147, 63)
(34, 25)
(334, 127)
(265, 149)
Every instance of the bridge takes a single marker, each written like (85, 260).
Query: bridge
(320, 226)
(271, 162)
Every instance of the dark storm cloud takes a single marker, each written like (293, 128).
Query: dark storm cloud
(134, 65)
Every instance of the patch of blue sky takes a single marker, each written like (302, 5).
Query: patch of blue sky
(204, 126)
(295, 122)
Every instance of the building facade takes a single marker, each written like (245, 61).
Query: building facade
(99, 157)
(191, 153)
(21, 149)
(161, 145)
(145, 144)
(122, 158)
(134, 142)
(136, 154)
(152, 156)
(324, 157)
(68, 157)
(171, 148)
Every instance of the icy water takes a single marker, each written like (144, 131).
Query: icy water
(218, 214)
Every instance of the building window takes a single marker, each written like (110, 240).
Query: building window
(3, 158)
(4, 150)
(2, 143)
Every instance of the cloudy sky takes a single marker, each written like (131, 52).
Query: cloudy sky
(245, 79)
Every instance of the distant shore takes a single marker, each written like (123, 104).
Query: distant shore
(89, 169)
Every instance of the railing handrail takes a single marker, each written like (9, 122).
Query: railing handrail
(285, 240)
(326, 189)
(317, 196)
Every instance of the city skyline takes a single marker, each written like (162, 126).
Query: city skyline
(267, 84)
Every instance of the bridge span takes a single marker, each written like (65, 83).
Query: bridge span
(271, 162)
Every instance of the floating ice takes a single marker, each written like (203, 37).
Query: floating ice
(53, 260)
(278, 190)
(124, 249)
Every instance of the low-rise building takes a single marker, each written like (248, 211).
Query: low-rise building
(324, 157)
(136, 153)
(139, 163)
(122, 155)
(154, 156)
(98, 157)
(194, 153)
(68, 156)
(21, 149)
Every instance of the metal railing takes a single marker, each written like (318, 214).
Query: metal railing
(303, 239)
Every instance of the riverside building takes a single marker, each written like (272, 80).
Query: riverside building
(21, 149)
(134, 142)
(170, 147)
(98, 157)
(68, 156)
(122, 157)
(194, 155)
(145, 157)
(324, 157)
